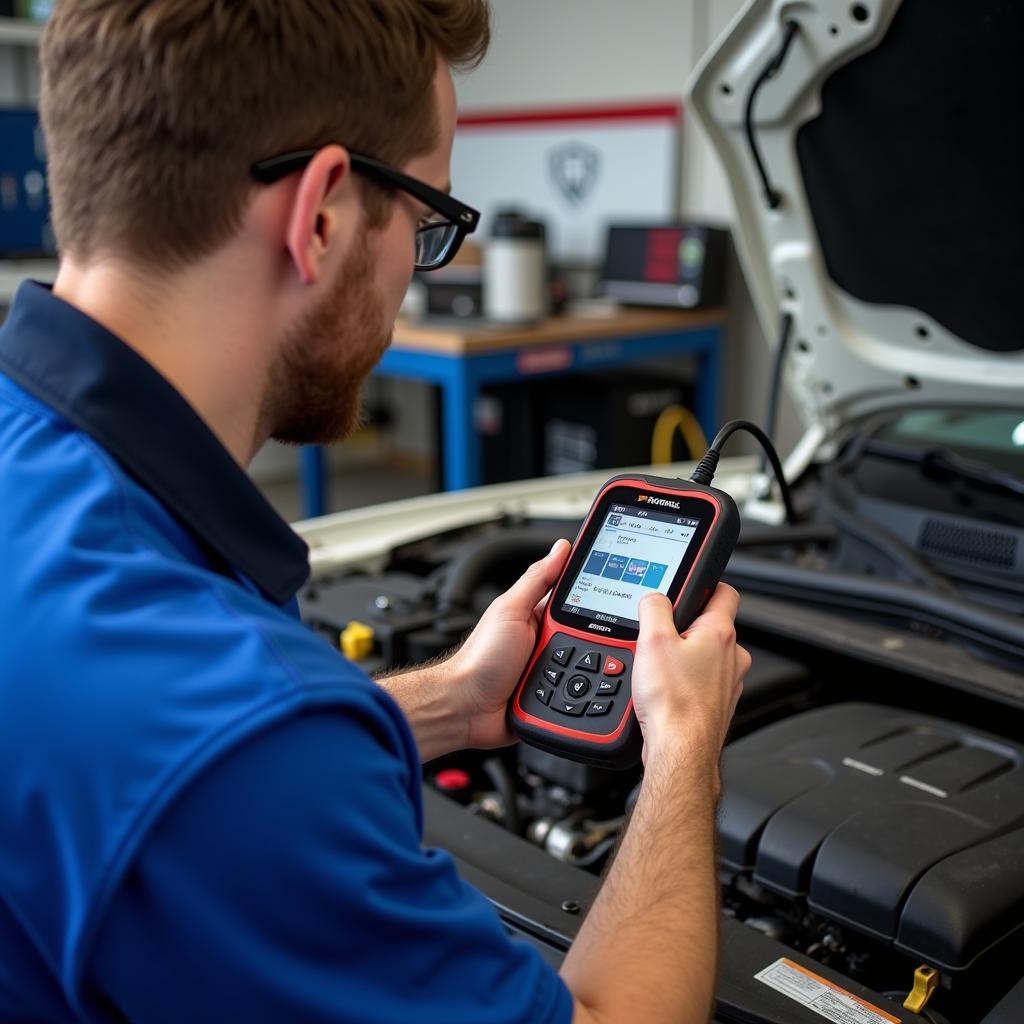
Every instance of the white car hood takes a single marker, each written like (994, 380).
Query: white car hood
(851, 355)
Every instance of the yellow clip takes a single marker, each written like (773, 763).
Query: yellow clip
(356, 641)
(926, 981)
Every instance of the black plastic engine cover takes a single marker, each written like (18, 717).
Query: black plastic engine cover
(908, 828)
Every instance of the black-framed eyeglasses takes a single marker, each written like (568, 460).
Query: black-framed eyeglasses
(437, 242)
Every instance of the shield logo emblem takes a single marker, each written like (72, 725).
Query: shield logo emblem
(575, 167)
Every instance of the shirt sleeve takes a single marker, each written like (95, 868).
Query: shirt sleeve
(289, 884)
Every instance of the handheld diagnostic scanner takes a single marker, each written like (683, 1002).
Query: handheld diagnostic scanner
(643, 534)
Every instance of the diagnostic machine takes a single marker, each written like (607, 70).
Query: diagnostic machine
(643, 534)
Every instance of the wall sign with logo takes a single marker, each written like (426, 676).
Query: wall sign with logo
(576, 168)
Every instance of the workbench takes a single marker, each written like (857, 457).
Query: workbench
(460, 360)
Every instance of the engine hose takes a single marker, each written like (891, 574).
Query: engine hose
(953, 614)
(602, 849)
(478, 560)
(755, 536)
(499, 777)
(771, 416)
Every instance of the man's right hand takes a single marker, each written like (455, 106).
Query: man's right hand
(656, 916)
(686, 687)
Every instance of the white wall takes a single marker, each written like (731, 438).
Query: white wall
(587, 51)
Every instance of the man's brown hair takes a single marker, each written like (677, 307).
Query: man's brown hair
(154, 110)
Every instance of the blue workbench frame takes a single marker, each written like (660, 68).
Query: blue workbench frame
(461, 377)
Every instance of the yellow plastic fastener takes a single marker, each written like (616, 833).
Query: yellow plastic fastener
(356, 641)
(926, 981)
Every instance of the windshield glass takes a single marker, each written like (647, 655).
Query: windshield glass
(993, 436)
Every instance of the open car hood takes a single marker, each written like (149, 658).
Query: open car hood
(891, 138)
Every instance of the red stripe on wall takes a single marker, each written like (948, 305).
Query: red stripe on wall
(666, 111)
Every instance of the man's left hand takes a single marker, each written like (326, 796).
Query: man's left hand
(495, 654)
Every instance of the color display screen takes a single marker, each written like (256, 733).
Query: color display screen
(636, 551)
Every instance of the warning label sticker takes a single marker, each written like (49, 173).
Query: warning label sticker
(828, 1000)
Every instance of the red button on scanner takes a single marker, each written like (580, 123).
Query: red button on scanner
(612, 667)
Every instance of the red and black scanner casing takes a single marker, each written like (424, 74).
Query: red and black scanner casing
(616, 741)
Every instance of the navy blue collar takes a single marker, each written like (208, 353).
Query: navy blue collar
(106, 389)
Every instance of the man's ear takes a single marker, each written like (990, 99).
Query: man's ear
(313, 221)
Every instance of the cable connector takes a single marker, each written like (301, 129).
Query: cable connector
(705, 471)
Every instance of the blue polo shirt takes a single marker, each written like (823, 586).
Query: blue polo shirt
(206, 813)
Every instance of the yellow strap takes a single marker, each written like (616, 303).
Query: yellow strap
(672, 418)
(926, 981)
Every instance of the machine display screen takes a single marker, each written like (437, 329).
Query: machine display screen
(635, 551)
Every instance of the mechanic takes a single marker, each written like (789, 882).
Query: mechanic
(206, 814)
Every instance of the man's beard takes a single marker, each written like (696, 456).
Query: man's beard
(314, 392)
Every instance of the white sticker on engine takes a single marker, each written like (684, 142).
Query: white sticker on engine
(824, 998)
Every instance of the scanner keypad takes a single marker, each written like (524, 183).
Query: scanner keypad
(595, 675)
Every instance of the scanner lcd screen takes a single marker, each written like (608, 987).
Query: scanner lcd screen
(635, 552)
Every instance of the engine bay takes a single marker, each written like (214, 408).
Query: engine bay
(872, 817)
